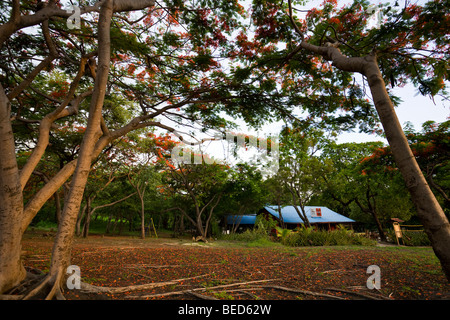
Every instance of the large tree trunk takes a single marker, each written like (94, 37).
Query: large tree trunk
(429, 211)
(14, 217)
(11, 204)
(63, 242)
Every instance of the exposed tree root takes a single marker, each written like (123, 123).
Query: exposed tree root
(32, 279)
(33, 293)
(37, 285)
(50, 287)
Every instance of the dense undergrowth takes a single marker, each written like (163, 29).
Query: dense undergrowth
(266, 232)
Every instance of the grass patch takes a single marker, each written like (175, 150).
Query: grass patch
(263, 242)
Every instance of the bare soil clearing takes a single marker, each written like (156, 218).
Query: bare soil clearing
(182, 269)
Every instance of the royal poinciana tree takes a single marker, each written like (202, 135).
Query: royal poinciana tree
(150, 60)
(329, 62)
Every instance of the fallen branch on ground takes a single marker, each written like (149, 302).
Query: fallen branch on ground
(360, 294)
(200, 289)
(88, 288)
(305, 292)
(11, 297)
(201, 296)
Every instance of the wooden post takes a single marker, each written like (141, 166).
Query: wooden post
(154, 229)
(397, 231)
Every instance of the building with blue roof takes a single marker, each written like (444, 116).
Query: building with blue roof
(321, 217)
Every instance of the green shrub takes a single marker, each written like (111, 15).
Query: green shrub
(265, 224)
(282, 233)
(300, 237)
(310, 237)
(411, 238)
(46, 225)
(247, 236)
(261, 231)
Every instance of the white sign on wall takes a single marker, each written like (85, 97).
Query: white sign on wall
(316, 212)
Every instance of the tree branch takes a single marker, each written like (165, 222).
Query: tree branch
(112, 203)
(46, 123)
(18, 22)
(46, 62)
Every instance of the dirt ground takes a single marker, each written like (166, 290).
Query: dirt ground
(183, 269)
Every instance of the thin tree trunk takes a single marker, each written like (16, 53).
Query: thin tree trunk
(87, 220)
(141, 197)
(91, 212)
(301, 212)
(373, 211)
(57, 207)
(211, 210)
(80, 217)
(108, 225)
(374, 215)
(437, 187)
(280, 215)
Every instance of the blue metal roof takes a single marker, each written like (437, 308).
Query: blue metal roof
(290, 215)
(244, 219)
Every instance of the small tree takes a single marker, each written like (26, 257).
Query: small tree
(201, 186)
(299, 167)
(243, 192)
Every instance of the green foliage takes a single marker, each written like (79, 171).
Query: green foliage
(261, 231)
(249, 235)
(431, 148)
(45, 225)
(336, 98)
(411, 238)
(283, 233)
(361, 191)
(265, 223)
(310, 237)
(301, 237)
(244, 190)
